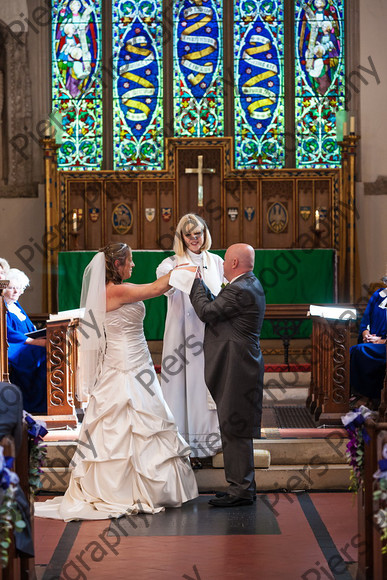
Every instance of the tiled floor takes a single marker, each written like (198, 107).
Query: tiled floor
(283, 536)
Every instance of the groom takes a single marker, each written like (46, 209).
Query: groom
(234, 367)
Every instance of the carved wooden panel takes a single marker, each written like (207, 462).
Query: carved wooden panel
(251, 212)
(75, 213)
(187, 186)
(277, 214)
(166, 216)
(306, 213)
(93, 215)
(329, 392)
(325, 208)
(233, 212)
(265, 208)
(61, 365)
(56, 370)
(122, 212)
(150, 213)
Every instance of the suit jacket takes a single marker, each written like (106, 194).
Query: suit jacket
(233, 360)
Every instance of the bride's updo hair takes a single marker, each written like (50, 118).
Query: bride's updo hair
(115, 251)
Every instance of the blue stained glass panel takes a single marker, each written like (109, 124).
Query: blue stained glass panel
(259, 80)
(138, 138)
(198, 68)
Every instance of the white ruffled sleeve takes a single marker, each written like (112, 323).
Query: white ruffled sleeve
(164, 268)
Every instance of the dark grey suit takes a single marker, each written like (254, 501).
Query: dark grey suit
(234, 370)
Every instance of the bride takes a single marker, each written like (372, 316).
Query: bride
(130, 457)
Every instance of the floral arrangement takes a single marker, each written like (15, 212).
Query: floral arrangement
(10, 516)
(357, 433)
(380, 496)
(38, 451)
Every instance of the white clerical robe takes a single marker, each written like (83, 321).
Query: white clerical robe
(182, 372)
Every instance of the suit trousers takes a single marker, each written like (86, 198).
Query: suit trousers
(238, 455)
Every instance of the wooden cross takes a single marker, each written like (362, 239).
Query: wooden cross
(200, 170)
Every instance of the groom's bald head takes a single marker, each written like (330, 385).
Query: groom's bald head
(238, 260)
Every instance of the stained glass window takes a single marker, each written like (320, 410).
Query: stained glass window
(193, 59)
(76, 81)
(198, 68)
(319, 80)
(138, 136)
(259, 81)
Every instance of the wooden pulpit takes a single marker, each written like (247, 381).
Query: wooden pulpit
(329, 391)
(4, 376)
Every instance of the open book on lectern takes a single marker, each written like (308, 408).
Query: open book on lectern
(333, 312)
(68, 314)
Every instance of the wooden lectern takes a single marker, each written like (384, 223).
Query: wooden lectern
(329, 391)
(62, 364)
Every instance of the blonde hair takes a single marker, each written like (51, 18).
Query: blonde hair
(15, 275)
(186, 225)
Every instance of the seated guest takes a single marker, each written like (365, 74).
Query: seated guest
(368, 358)
(27, 356)
(4, 269)
(11, 419)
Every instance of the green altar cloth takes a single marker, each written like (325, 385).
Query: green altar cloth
(287, 276)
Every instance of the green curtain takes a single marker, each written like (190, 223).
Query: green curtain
(287, 276)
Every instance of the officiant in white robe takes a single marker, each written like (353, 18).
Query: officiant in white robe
(182, 372)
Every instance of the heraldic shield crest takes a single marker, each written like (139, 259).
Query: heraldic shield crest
(122, 218)
(94, 214)
(150, 213)
(166, 213)
(249, 213)
(277, 217)
(305, 211)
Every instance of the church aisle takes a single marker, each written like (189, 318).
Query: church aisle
(284, 536)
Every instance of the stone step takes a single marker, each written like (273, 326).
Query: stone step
(328, 450)
(290, 464)
(277, 477)
(289, 478)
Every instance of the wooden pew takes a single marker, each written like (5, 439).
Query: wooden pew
(4, 376)
(329, 391)
(372, 564)
(19, 568)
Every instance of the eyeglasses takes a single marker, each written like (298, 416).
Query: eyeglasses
(193, 235)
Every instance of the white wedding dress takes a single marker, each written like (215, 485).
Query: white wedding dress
(130, 457)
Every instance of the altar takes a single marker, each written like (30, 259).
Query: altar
(288, 276)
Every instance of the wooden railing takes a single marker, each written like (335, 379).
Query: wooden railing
(19, 568)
